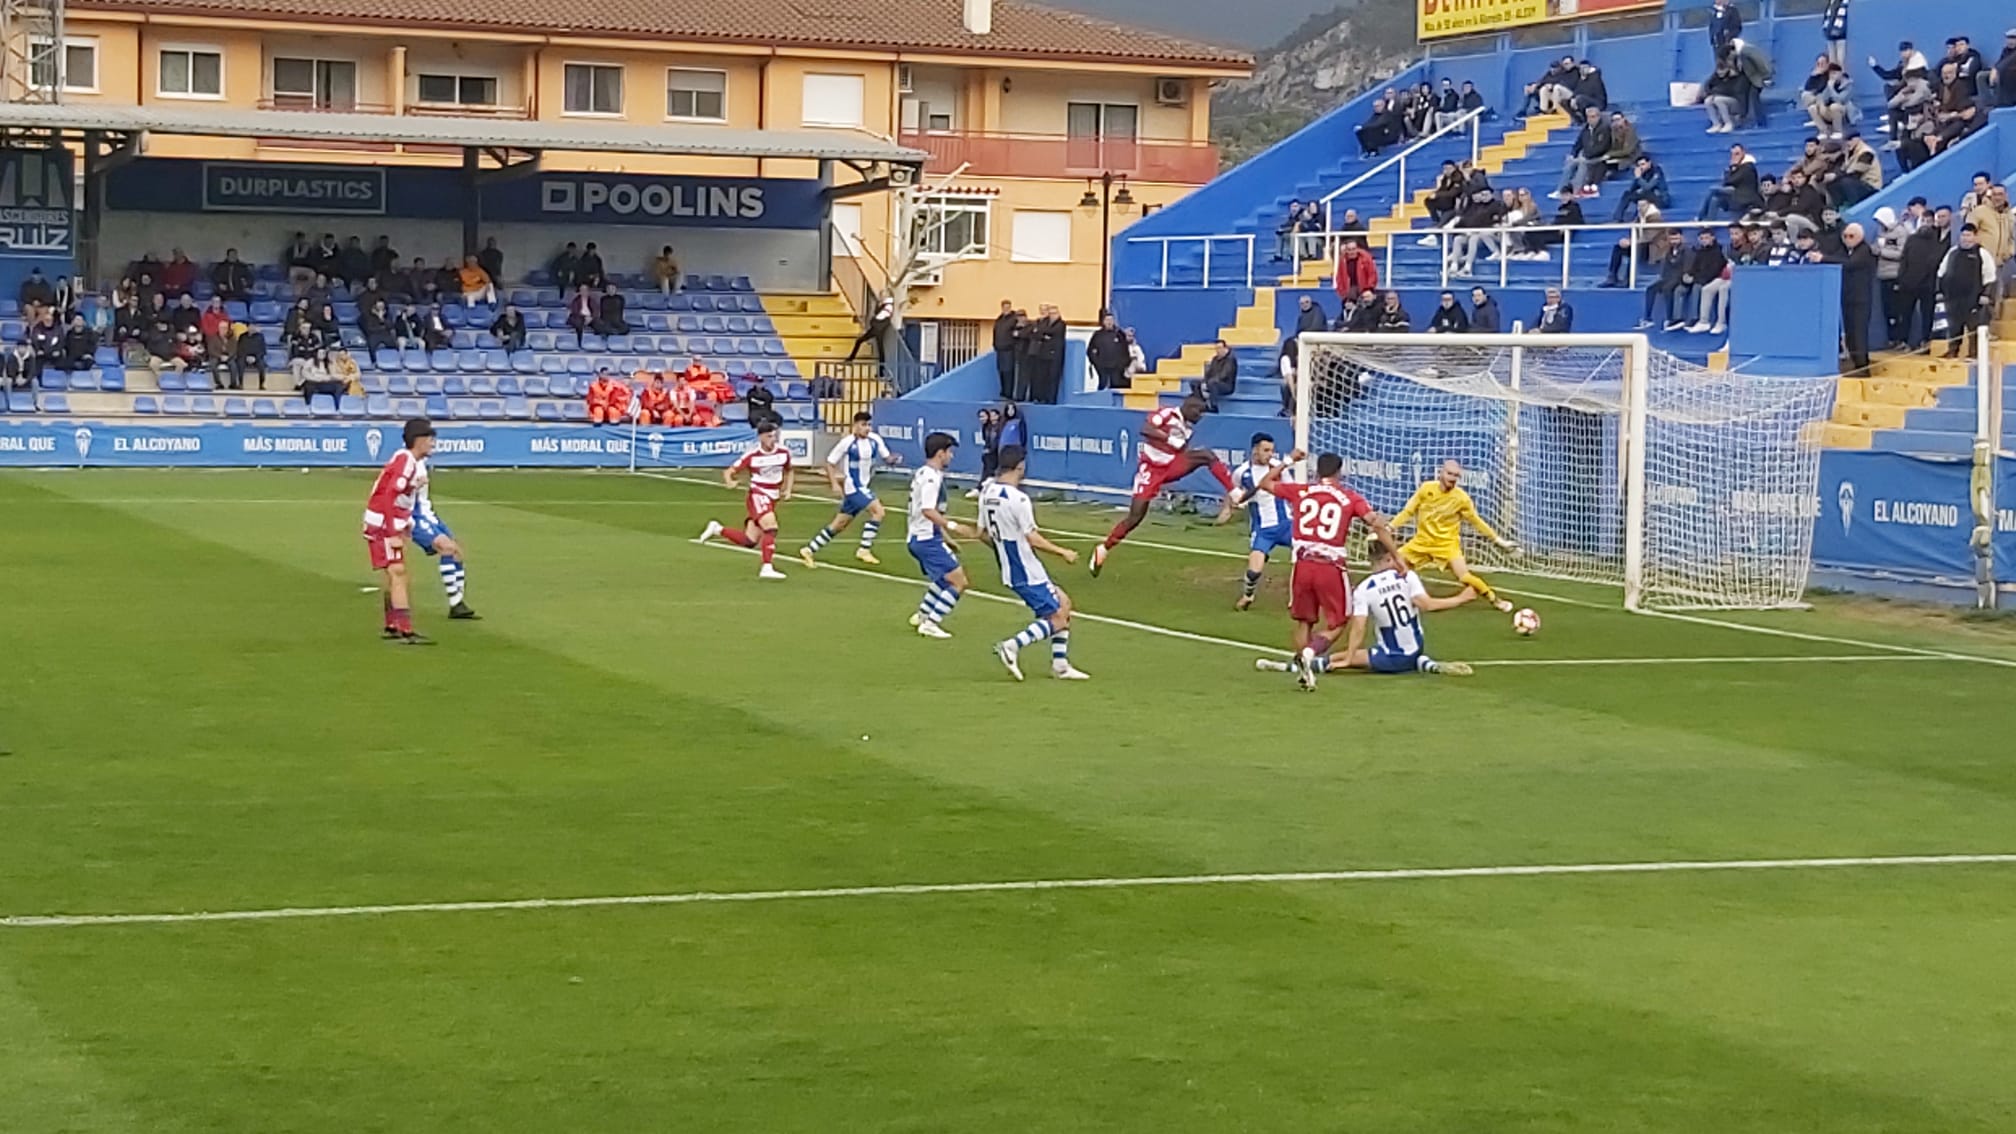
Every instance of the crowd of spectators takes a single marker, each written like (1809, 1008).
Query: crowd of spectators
(1029, 353)
(688, 397)
(1399, 116)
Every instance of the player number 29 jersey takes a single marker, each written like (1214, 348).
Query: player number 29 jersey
(1010, 519)
(1170, 421)
(1323, 514)
(1387, 600)
(927, 490)
(856, 458)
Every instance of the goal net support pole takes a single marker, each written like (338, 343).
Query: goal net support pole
(1606, 460)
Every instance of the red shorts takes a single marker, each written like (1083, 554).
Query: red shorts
(1149, 479)
(761, 504)
(1319, 589)
(385, 550)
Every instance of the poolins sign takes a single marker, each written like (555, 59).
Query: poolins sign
(698, 202)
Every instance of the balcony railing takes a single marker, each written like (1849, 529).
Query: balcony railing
(1058, 155)
(344, 106)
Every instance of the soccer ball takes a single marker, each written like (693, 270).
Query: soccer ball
(1525, 623)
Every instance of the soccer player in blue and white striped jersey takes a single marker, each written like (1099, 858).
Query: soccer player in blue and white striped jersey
(1272, 525)
(1008, 521)
(850, 468)
(433, 537)
(928, 543)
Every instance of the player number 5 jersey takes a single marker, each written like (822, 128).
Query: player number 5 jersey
(1387, 600)
(1010, 520)
(927, 490)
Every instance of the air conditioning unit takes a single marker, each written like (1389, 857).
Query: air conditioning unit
(1172, 92)
(906, 83)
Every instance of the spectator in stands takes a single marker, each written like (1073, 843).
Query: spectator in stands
(45, 344)
(509, 329)
(320, 292)
(406, 330)
(878, 325)
(1891, 233)
(1647, 242)
(1285, 362)
(1724, 95)
(1137, 359)
(1859, 175)
(1309, 317)
(376, 327)
(1472, 227)
(1591, 92)
(1448, 106)
(1970, 67)
(384, 258)
(1310, 231)
(1959, 111)
(351, 263)
(344, 369)
(475, 284)
(327, 255)
(1625, 147)
(1977, 192)
(1799, 201)
(1908, 101)
(2005, 71)
(178, 275)
(1393, 318)
(1991, 220)
(130, 322)
(592, 272)
(148, 265)
(1507, 213)
(1284, 233)
(312, 377)
(423, 284)
(231, 277)
(299, 260)
(1725, 23)
(1420, 114)
(665, 270)
(1221, 376)
(1356, 271)
(35, 291)
(1106, 353)
(1859, 268)
(1583, 167)
(1484, 318)
(1556, 317)
(566, 268)
(189, 354)
(328, 331)
(582, 311)
(1648, 183)
(1046, 353)
(491, 259)
(1004, 348)
(1918, 277)
(1449, 317)
(244, 347)
(1549, 94)
(1967, 284)
(1670, 284)
(654, 401)
(433, 329)
(215, 325)
(1832, 108)
(80, 342)
(1755, 66)
(185, 315)
(1834, 29)
(602, 396)
(1708, 272)
(1025, 367)
(1382, 127)
(160, 343)
(763, 404)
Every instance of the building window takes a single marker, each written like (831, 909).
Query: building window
(954, 226)
(1041, 237)
(938, 123)
(593, 88)
(458, 90)
(834, 100)
(1101, 120)
(191, 72)
(847, 228)
(80, 65)
(698, 96)
(314, 84)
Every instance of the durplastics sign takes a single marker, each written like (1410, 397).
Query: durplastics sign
(1437, 19)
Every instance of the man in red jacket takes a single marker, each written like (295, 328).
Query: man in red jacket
(1357, 272)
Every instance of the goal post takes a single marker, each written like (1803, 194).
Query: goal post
(1606, 461)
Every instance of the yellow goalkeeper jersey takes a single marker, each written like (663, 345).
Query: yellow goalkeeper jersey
(1439, 515)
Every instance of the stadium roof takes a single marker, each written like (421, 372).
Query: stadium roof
(512, 134)
(1020, 28)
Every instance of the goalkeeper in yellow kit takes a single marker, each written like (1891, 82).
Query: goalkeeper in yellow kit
(1439, 509)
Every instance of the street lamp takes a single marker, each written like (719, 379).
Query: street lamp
(1106, 199)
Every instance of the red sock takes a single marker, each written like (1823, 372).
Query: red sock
(1118, 533)
(1223, 472)
(402, 620)
(768, 542)
(1321, 645)
(738, 537)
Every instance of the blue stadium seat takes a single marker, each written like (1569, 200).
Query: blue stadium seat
(539, 341)
(203, 405)
(629, 364)
(737, 324)
(522, 297)
(378, 405)
(487, 341)
(535, 386)
(470, 361)
(517, 409)
(618, 344)
(762, 325)
(763, 368)
(651, 299)
(399, 385)
(657, 364)
(748, 347)
(680, 302)
(372, 383)
(658, 323)
(524, 362)
(82, 380)
(438, 406)
(13, 331)
(741, 283)
(752, 304)
(672, 345)
(389, 361)
(579, 365)
(454, 317)
(276, 359)
(733, 411)
(10, 309)
(237, 407)
(56, 403)
(689, 324)
(426, 385)
(774, 348)
(496, 360)
(351, 407)
(462, 340)
(718, 283)
(793, 391)
(552, 364)
(574, 411)
(455, 386)
(294, 409)
(713, 325)
(238, 310)
(442, 361)
(265, 407)
(267, 311)
(53, 379)
(510, 387)
(409, 407)
(198, 381)
(703, 304)
(482, 386)
(320, 408)
(106, 356)
(175, 404)
(787, 369)
(546, 411)
(590, 342)
(353, 339)
(462, 409)
(143, 403)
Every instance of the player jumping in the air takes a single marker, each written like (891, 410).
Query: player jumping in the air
(770, 477)
(1391, 600)
(1319, 590)
(433, 537)
(1272, 527)
(1166, 457)
(1008, 521)
(1440, 508)
(388, 521)
(850, 468)
(928, 543)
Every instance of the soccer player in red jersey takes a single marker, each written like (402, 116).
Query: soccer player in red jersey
(1166, 457)
(770, 477)
(388, 526)
(1319, 591)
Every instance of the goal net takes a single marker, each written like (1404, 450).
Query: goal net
(1605, 461)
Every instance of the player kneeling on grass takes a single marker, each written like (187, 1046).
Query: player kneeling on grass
(930, 541)
(1391, 600)
(770, 476)
(1440, 508)
(1268, 513)
(388, 522)
(1008, 521)
(850, 469)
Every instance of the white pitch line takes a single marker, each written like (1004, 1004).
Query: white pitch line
(920, 889)
(1766, 659)
(1829, 638)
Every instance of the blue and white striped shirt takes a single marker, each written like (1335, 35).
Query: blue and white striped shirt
(856, 458)
(1010, 520)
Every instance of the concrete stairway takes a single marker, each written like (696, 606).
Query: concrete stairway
(1252, 329)
(1917, 396)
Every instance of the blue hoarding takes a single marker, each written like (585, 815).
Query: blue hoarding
(1896, 513)
(47, 442)
(273, 187)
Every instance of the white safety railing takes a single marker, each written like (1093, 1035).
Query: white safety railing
(1471, 120)
(1243, 262)
(1462, 244)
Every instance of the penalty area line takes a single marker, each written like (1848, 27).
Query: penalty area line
(1038, 885)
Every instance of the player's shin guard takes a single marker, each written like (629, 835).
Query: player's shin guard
(452, 576)
(824, 537)
(1482, 588)
(1252, 585)
(869, 531)
(1033, 633)
(767, 542)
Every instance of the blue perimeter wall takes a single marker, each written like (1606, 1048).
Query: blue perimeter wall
(47, 442)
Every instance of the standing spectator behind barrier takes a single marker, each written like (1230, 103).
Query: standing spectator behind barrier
(1025, 366)
(491, 260)
(1356, 271)
(879, 322)
(1106, 352)
(2005, 71)
(566, 268)
(1859, 268)
(1970, 67)
(1046, 353)
(1137, 359)
(1891, 234)
(1004, 349)
(1992, 225)
(1310, 232)
(1755, 67)
(1967, 284)
(1834, 29)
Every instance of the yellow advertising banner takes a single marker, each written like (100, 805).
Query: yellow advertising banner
(1437, 19)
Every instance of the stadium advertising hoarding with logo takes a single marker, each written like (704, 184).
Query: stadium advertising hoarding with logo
(37, 221)
(1440, 19)
(56, 443)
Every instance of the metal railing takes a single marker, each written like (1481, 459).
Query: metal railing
(862, 293)
(1472, 119)
(994, 154)
(1448, 241)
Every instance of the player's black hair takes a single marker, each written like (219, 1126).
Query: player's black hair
(1259, 437)
(1011, 457)
(936, 443)
(416, 429)
(862, 416)
(1377, 550)
(767, 425)
(1329, 464)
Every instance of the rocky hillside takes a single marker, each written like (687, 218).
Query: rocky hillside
(1327, 61)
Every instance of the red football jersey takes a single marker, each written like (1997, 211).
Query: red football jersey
(1170, 421)
(389, 511)
(766, 469)
(1323, 514)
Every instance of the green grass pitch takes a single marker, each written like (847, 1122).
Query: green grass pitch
(197, 716)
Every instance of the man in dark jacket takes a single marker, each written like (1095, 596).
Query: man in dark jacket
(1025, 367)
(1590, 90)
(1583, 166)
(2005, 71)
(1648, 183)
(1556, 317)
(1393, 318)
(1858, 294)
(1221, 376)
(1671, 284)
(1107, 353)
(1918, 280)
(1725, 23)
(1310, 317)
(1046, 353)
(1966, 282)
(1483, 312)
(231, 277)
(1004, 349)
